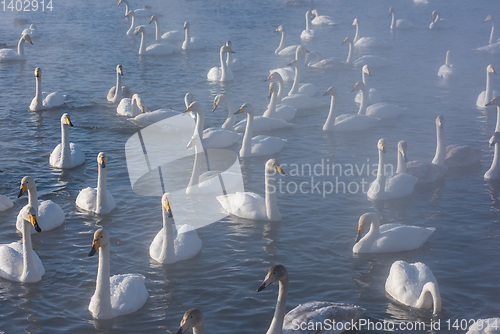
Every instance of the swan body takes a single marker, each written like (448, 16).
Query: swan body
(367, 42)
(5, 203)
(373, 94)
(390, 187)
(384, 110)
(222, 73)
(131, 107)
(116, 295)
(154, 49)
(400, 24)
(458, 156)
(321, 20)
(116, 95)
(66, 155)
(302, 101)
(388, 238)
(32, 31)
(43, 100)
(140, 12)
(164, 248)
(487, 95)
(259, 145)
(261, 123)
(372, 62)
(284, 112)
(288, 73)
(485, 326)
(49, 214)
(447, 70)
(11, 55)
(150, 117)
(494, 172)
(308, 33)
(413, 285)
(310, 312)
(97, 200)
(192, 43)
(253, 206)
(19, 262)
(170, 36)
(282, 50)
(438, 22)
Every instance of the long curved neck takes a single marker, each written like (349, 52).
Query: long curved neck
(142, 47)
(308, 21)
(229, 59)
(495, 165)
(401, 163)
(167, 253)
(393, 22)
(447, 61)
(157, 31)
(436, 19)
(195, 174)
(356, 36)
(231, 117)
(364, 76)
(65, 148)
(440, 148)
(102, 204)
(20, 47)
(374, 231)
(118, 87)
(132, 24)
(489, 88)
(280, 310)
(33, 198)
(497, 127)
(199, 329)
(272, 210)
(281, 90)
(246, 146)
(430, 290)
(296, 79)
(102, 288)
(364, 101)
(39, 95)
(271, 107)
(200, 123)
(380, 172)
(282, 42)
(492, 35)
(349, 55)
(126, 7)
(330, 120)
(223, 66)
(29, 268)
(134, 104)
(187, 35)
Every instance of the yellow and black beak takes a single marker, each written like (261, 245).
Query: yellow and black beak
(23, 187)
(382, 148)
(490, 103)
(34, 222)
(268, 78)
(152, 19)
(214, 106)
(368, 72)
(95, 246)
(167, 207)
(280, 170)
(361, 229)
(28, 38)
(102, 162)
(68, 121)
(230, 51)
(142, 109)
(38, 73)
(241, 110)
(355, 88)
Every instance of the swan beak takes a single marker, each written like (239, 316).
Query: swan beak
(95, 246)
(267, 281)
(214, 107)
(490, 103)
(241, 110)
(24, 187)
(280, 170)
(405, 157)
(38, 74)
(354, 89)
(368, 72)
(151, 19)
(34, 222)
(191, 143)
(183, 328)
(142, 109)
(277, 29)
(268, 78)
(327, 93)
(230, 51)
(305, 50)
(167, 206)
(361, 229)
(291, 64)
(102, 162)
(119, 2)
(382, 148)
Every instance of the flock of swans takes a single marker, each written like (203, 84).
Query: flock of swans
(413, 285)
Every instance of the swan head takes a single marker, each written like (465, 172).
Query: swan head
(495, 139)
(294, 63)
(366, 70)
(101, 239)
(140, 30)
(186, 25)
(130, 13)
(153, 19)
(273, 88)
(26, 183)
(140, 103)
(435, 15)
(119, 69)
(355, 22)
(440, 122)
(365, 220)
(228, 44)
(275, 274)
(314, 12)
(274, 76)
(224, 49)
(102, 159)
(219, 98)
(280, 28)
(490, 69)
(194, 107)
(488, 18)
(494, 102)
(309, 14)
(358, 86)
(66, 120)
(272, 165)
(27, 38)
(391, 11)
(347, 40)
(193, 318)
(30, 215)
(381, 145)
(331, 91)
(246, 107)
(166, 204)
(38, 72)
(402, 149)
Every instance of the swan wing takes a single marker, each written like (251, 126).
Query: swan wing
(384, 110)
(307, 34)
(372, 61)
(244, 204)
(284, 112)
(301, 101)
(214, 74)
(354, 122)
(265, 145)
(371, 43)
(161, 50)
(53, 100)
(111, 93)
(87, 198)
(187, 244)
(126, 92)
(9, 54)
(308, 89)
(323, 20)
(50, 215)
(493, 48)
(173, 36)
(446, 71)
(401, 238)
(128, 293)
(220, 138)
(11, 261)
(461, 155)
(289, 51)
(77, 156)
(125, 107)
(399, 185)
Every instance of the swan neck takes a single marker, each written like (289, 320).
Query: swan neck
(246, 146)
(381, 178)
(20, 47)
(349, 55)
(497, 127)
(167, 254)
(229, 59)
(281, 90)
(157, 31)
(126, 7)
(187, 35)
(199, 329)
(393, 21)
(29, 267)
(118, 87)
(65, 148)
(134, 104)
(33, 198)
(223, 66)
(364, 101)
(271, 107)
(195, 174)
(102, 204)
(440, 156)
(447, 61)
(282, 42)
(492, 35)
(38, 94)
(272, 210)
(231, 117)
(308, 21)
(280, 311)
(489, 88)
(102, 288)
(200, 123)
(142, 47)
(430, 290)
(132, 24)
(330, 120)
(356, 36)
(296, 79)
(401, 163)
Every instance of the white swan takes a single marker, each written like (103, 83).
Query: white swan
(97, 200)
(373, 94)
(192, 319)
(282, 50)
(288, 73)
(164, 248)
(485, 326)
(169, 36)
(222, 73)
(140, 12)
(231, 117)
(18, 261)
(495, 102)
(250, 205)
(116, 295)
(492, 34)
(44, 100)
(154, 49)
(284, 112)
(191, 43)
(308, 89)
(447, 70)
(115, 95)
(131, 107)
(261, 123)
(430, 172)
(367, 42)
(390, 186)
(494, 171)
(414, 285)
(145, 118)
(211, 137)
(313, 59)
(321, 20)
(234, 64)
(457, 156)
(486, 95)
(494, 45)
(66, 155)
(32, 31)
(400, 24)
(50, 215)
(133, 28)
(258, 145)
(314, 312)
(438, 22)
(308, 33)
(9, 54)
(388, 238)
(299, 100)
(372, 62)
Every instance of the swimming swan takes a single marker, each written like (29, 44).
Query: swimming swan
(115, 95)
(388, 238)
(447, 70)
(140, 12)
(288, 73)
(400, 24)
(32, 31)
(222, 73)
(390, 186)
(233, 64)
(373, 94)
(231, 117)
(308, 33)
(308, 89)
(116, 295)
(282, 50)
(310, 312)
(284, 112)
(49, 214)
(18, 261)
(192, 319)
(494, 45)
(367, 42)
(253, 206)
(131, 107)
(321, 20)
(154, 49)
(191, 43)
(164, 248)
(97, 200)
(169, 36)
(438, 22)
(494, 171)
(44, 100)
(66, 155)
(487, 95)
(9, 54)
(313, 59)
(414, 285)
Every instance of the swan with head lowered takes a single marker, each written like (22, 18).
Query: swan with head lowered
(282, 50)
(373, 94)
(313, 59)
(66, 155)
(131, 107)
(321, 20)
(97, 200)
(388, 238)
(367, 42)
(413, 285)
(494, 172)
(438, 22)
(253, 206)
(447, 70)
(486, 95)
(283, 112)
(231, 117)
(146, 11)
(192, 43)
(164, 248)
(222, 73)
(44, 100)
(116, 93)
(169, 36)
(313, 312)
(494, 45)
(400, 24)
(50, 215)
(390, 186)
(154, 49)
(430, 172)
(288, 73)
(116, 295)
(18, 261)
(308, 33)
(11, 55)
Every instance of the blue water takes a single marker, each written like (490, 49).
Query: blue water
(80, 46)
